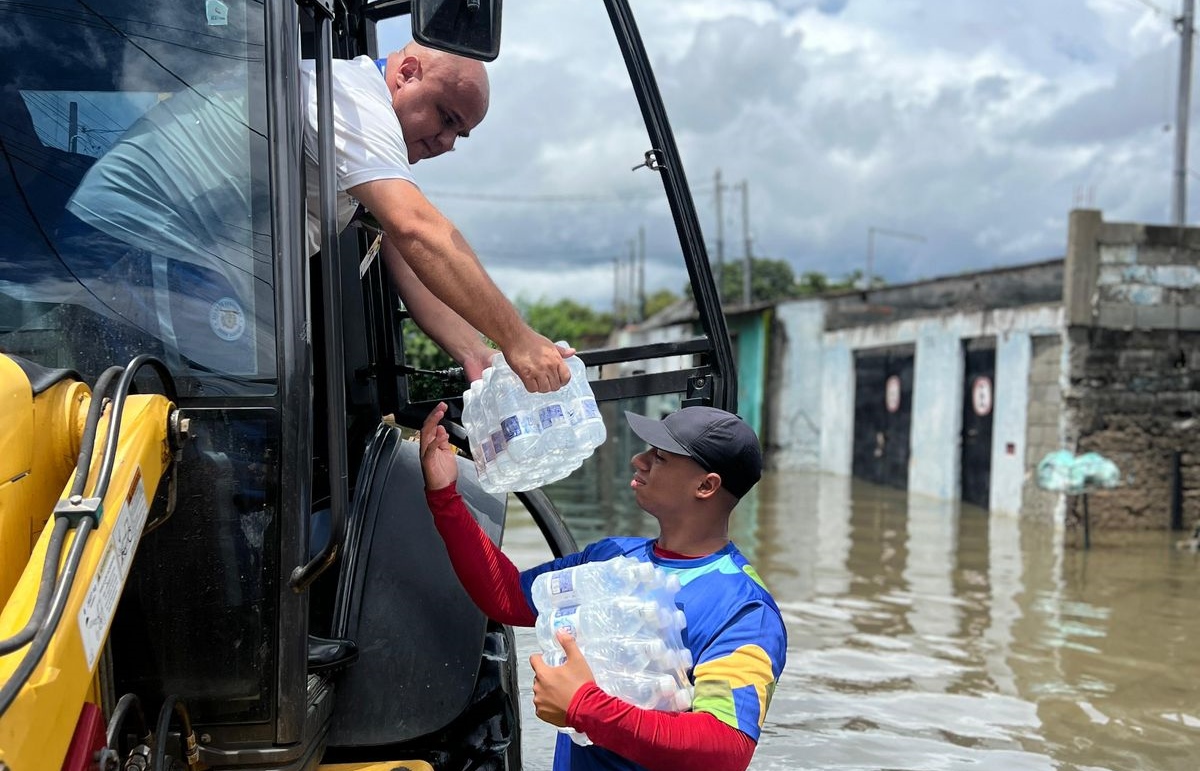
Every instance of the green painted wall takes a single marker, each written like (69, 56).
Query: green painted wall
(751, 337)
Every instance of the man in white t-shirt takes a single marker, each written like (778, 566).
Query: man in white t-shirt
(176, 186)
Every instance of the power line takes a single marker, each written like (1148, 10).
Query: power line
(557, 198)
(1158, 11)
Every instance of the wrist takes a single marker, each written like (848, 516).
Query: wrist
(577, 709)
(441, 494)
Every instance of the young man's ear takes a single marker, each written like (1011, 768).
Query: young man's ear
(709, 486)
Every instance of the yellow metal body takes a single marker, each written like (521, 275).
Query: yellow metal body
(39, 443)
(36, 729)
(391, 765)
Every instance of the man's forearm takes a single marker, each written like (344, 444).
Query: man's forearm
(438, 320)
(441, 259)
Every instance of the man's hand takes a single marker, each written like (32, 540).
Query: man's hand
(539, 363)
(438, 462)
(554, 687)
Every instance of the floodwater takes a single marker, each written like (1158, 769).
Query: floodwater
(929, 635)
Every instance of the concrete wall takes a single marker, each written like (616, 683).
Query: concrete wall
(1133, 395)
(1043, 422)
(1009, 420)
(937, 392)
(1130, 276)
(794, 403)
(933, 466)
(837, 407)
(1013, 287)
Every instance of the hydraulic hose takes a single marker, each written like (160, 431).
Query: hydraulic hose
(187, 739)
(41, 640)
(84, 464)
(114, 420)
(45, 589)
(45, 628)
(125, 705)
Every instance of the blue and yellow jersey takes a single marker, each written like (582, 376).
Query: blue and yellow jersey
(734, 632)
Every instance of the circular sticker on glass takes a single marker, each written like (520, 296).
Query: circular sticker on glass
(227, 319)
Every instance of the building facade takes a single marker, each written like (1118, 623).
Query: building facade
(957, 387)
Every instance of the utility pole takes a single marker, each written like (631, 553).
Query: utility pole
(631, 286)
(1184, 26)
(745, 186)
(72, 126)
(720, 235)
(617, 318)
(869, 278)
(641, 288)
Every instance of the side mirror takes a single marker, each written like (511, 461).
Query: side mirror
(468, 28)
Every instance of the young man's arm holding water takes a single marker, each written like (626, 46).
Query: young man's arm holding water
(566, 695)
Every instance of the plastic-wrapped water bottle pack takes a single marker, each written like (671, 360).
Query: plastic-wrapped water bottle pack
(622, 614)
(522, 440)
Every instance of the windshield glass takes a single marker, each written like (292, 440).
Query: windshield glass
(136, 211)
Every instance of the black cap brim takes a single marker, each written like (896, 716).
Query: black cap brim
(654, 433)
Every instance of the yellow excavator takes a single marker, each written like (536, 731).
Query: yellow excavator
(214, 553)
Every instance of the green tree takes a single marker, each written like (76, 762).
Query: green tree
(568, 320)
(661, 299)
(422, 353)
(769, 280)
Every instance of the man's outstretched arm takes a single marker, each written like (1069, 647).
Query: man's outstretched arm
(443, 261)
(449, 330)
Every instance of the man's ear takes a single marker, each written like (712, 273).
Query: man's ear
(709, 486)
(409, 70)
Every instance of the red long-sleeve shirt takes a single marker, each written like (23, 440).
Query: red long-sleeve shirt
(659, 741)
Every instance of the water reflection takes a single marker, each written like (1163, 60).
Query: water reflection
(927, 635)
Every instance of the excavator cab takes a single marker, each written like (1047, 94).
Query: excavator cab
(214, 546)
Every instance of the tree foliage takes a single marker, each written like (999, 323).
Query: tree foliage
(567, 320)
(774, 280)
(660, 300)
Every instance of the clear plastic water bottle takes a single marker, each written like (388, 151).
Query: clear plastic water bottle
(645, 690)
(470, 418)
(626, 625)
(519, 424)
(631, 655)
(535, 439)
(591, 581)
(587, 421)
(616, 618)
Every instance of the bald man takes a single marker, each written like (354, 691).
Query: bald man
(184, 198)
(436, 98)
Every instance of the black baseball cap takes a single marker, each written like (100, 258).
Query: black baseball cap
(721, 442)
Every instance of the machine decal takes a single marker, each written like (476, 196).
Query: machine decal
(100, 604)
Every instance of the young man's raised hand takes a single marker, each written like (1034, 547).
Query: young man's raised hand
(438, 462)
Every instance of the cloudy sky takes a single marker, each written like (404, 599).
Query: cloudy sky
(968, 128)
